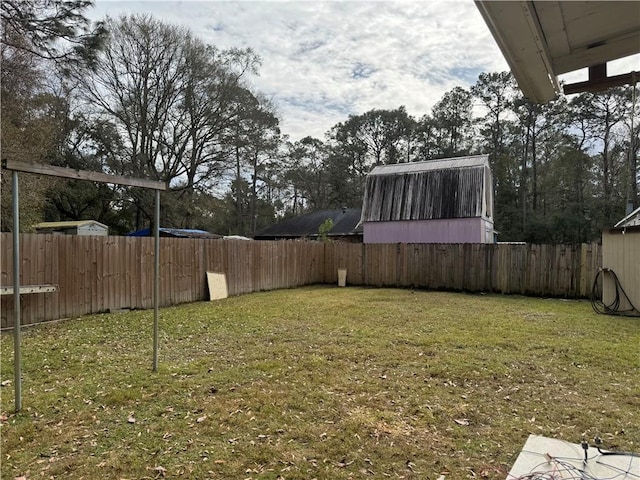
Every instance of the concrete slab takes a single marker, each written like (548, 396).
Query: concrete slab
(545, 458)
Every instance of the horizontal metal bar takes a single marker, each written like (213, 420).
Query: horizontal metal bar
(82, 175)
(599, 84)
(30, 289)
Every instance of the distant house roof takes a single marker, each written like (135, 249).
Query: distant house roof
(175, 232)
(344, 221)
(631, 220)
(67, 224)
(435, 189)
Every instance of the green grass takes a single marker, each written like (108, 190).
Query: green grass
(319, 382)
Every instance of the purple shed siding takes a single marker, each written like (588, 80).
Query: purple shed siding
(450, 230)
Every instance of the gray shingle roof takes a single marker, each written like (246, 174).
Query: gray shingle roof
(344, 223)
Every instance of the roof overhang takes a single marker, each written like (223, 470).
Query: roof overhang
(543, 39)
(631, 220)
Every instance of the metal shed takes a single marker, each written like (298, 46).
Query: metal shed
(79, 227)
(621, 264)
(437, 201)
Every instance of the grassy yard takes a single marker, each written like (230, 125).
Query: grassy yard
(319, 382)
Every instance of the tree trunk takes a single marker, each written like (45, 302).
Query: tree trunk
(254, 193)
(239, 223)
(524, 173)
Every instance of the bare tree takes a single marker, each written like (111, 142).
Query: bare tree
(172, 97)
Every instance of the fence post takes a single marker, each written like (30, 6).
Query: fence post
(364, 264)
(583, 270)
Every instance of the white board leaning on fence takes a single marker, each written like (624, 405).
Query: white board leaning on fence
(546, 458)
(217, 283)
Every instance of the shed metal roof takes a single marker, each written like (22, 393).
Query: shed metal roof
(631, 220)
(429, 165)
(67, 224)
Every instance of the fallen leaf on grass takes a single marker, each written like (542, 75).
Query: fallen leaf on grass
(131, 419)
(161, 470)
(462, 421)
(201, 419)
(20, 478)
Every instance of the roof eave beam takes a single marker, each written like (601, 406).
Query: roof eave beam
(517, 31)
(598, 82)
(64, 172)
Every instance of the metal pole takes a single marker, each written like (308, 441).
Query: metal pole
(156, 280)
(17, 357)
(632, 174)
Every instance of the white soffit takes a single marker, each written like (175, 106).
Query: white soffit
(543, 39)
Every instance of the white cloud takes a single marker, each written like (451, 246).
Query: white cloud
(323, 61)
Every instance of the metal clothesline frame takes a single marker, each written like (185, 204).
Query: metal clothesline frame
(99, 177)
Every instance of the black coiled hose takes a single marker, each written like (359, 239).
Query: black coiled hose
(613, 308)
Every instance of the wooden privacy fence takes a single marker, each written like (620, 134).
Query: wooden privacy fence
(540, 270)
(98, 274)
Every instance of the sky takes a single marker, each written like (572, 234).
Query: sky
(325, 60)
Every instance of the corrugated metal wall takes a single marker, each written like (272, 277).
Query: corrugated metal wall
(434, 194)
(621, 254)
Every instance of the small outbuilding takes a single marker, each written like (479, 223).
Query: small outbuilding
(620, 266)
(78, 227)
(437, 201)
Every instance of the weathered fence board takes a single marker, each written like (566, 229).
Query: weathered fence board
(97, 274)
